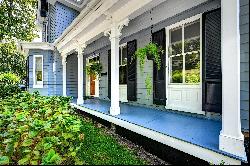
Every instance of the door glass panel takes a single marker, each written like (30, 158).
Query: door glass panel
(176, 62)
(192, 51)
(175, 41)
(176, 69)
(39, 69)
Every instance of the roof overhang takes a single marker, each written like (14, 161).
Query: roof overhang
(26, 46)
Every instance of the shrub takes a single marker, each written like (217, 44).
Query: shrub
(38, 130)
(9, 85)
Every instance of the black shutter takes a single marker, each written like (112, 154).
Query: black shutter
(109, 74)
(212, 73)
(160, 75)
(132, 71)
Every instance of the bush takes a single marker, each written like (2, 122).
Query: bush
(9, 85)
(38, 130)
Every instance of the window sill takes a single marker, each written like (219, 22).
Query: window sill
(38, 86)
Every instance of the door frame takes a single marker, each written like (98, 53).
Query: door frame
(97, 90)
(168, 84)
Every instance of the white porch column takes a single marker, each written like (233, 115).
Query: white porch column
(80, 74)
(64, 64)
(231, 138)
(115, 34)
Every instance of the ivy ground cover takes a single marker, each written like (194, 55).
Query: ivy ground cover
(45, 130)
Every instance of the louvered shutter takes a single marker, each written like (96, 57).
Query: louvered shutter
(212, 73)
(160, 75)
(132, 71)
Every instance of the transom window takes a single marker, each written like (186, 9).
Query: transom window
(123, 64)
(38, 71)
(185, 53)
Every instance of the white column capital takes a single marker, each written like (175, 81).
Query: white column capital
(115, 30)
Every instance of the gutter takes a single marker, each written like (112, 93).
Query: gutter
(83, 14)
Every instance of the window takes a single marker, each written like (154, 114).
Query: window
(123, 64)
(38, 71)
(184, 53)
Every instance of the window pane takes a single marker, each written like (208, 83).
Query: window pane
(124, 55)
(192, 37)
(176, 69)
(192, 62)
(175, 41)
(192, 48)
(38, 69)
(123, 75)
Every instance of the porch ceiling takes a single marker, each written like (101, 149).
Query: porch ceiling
(99, 19)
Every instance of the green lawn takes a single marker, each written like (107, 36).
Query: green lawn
(45, 130)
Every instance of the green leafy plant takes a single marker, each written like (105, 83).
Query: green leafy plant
(39, 130)
(148, 83)
(11, 60)
(8, 85)
(152, 51)
(94, 69)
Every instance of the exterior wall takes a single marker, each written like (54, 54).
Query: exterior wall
(47, 56)
(59, 18)
(169, 12)
(52, 83)
(244, 30)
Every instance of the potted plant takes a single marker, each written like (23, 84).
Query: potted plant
(94, 69)
(152, 52)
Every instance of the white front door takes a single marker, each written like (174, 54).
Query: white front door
(184, 83)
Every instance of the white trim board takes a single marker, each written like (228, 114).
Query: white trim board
(194, 150)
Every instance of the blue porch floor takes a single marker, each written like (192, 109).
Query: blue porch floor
(198, 131)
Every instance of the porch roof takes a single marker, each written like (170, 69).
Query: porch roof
(198, 131)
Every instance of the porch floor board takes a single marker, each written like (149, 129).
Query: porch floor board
(198, 131)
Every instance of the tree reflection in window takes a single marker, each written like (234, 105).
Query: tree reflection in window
(184, 53)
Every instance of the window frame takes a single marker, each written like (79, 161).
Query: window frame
(37, 84)
(182, 25)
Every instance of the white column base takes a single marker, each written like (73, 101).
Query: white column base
(232, 145)
(80, 101)
(114, 111)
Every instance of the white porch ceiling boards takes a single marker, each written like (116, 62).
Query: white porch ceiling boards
(99, 19)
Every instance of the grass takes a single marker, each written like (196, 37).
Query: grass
(102, 149)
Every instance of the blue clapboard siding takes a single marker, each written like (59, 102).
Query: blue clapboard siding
(52, 79)
(59, 18)
(244, 31)
(72, 75)
(47, 55)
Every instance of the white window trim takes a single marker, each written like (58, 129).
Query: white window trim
(121, 46)
(40, 85)
(178, 24)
